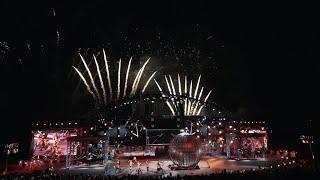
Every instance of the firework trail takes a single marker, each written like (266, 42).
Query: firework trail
(195, 96)
(119, 73)
(86, 83)
(101, 81)
(169, 105)
(103, 87)
(53, 12)
(158, 86)
(185, 92)
(179, 84)
(190, 96)
(185, 84)
(190, 90)
(196, 91)
(191, 101)
(58, 38)
(147, 83)
(140, 75)
(127, 75)
(134, 82)
(173, 89)
(199, 97)
(108, 74)
(205, 100)
(91, 78)
(170, 92)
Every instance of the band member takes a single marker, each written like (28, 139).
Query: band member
(118, 164)
(147, 165)
(159, 168)
(130, 164)
(139, 167)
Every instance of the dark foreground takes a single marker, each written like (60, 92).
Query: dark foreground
(279, 173)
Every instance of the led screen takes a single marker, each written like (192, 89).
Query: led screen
(51, 142)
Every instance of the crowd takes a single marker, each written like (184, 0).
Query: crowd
(265, 174)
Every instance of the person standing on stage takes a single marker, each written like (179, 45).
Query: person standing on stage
(159, 166)
(118, 165)
(147, 165)
(139, 168)
(130, 164)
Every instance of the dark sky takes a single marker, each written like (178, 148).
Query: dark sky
(266, 56)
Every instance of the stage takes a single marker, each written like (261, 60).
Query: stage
(207, 165)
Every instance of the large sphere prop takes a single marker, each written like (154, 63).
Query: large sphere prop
(184, 150)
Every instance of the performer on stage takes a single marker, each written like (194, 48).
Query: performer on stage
(159, 168)
(139, 168)
(130, 164)
(147, 165)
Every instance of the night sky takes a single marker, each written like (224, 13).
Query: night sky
(259, 58)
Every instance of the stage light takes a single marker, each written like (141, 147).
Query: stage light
(230, 127)
(219, 123)
(208, 127)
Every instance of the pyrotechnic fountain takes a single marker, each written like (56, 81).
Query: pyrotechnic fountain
(93, 88)
(190, 101)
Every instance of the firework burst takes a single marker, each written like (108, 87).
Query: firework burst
(190, 99)
(94, 90)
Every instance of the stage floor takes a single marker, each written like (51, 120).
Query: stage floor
(207, 165)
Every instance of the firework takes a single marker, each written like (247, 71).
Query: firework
(196, 91)
(127, 75)
(147, 83)
(168, 103)
(179, 85)
(108, 74)
(119, 80)
(140, 75)
(98, 74)
(91, 78)
(173, 89)
(205, 100)
(101, 81)
(168, 85)
(85, 82)
(191, 101)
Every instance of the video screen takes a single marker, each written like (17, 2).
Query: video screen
(51, 142)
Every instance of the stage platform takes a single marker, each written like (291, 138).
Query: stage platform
(207, 165)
